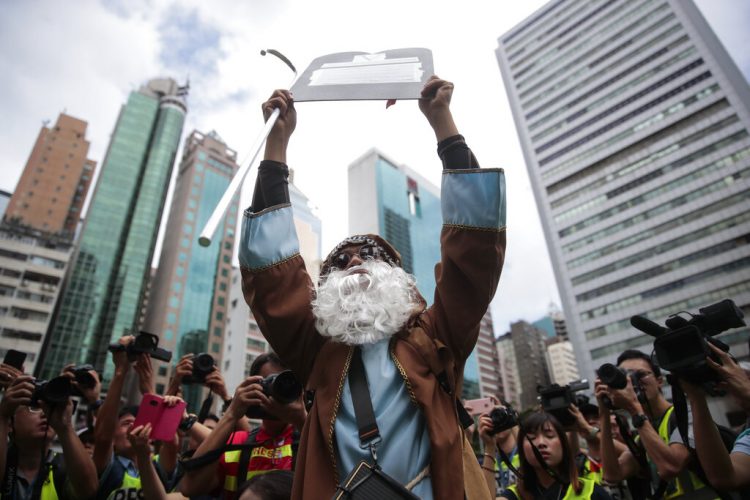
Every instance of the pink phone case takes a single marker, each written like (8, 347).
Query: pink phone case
(164, 420)
(479, 406)
(168, 422)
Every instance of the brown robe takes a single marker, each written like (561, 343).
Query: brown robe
(466, 279)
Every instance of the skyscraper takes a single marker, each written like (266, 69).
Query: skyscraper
(102, 299)
(400, 205)
(633, 122)
(188, 300)
(50, 194)
(490, 380)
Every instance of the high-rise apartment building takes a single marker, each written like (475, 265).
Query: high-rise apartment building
(530, 358)
(244, 341)
(508, 370)
(189, 296)
(50, 194)
(4, 200)
(490, 381)
(633, 122)
(102, 298)
(403, 207)
(32, 267)
(561, 361)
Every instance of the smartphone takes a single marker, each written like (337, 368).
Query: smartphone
(15, 359)
(163, 419)
(479, 406)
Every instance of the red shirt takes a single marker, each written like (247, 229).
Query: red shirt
(271, 453)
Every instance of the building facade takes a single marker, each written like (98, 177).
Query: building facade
(530, 354)
(189, 295)
(488, 361)
(4, 200)
(32, 268)
(244, 341)
(403, 207)
(633, 122)
(103, 295)
(508, 370)
(561, 361)
(50, 194)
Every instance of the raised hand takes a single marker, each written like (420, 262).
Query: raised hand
(435, 105)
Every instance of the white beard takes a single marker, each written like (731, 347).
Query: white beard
(356, 309)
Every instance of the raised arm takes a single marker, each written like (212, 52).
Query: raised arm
(106, 421)
(473, 234)
(274, 280)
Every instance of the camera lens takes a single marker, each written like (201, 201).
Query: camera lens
(283, 387)
(612, 376)
(203, 363)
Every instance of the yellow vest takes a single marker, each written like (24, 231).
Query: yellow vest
(686, 483)
(587, 489)
(129, 489)
(48, 489)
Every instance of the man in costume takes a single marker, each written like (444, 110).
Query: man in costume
(413, 356)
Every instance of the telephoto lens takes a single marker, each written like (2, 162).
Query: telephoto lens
(283, 387)
(612, 376)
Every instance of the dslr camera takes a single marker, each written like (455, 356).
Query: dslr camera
(283, 387)
(617, 378)
(144, 343)
(682, 346)
(82, 376)
(203, 364)
(557, 399)
(503, 418)
(52, 392)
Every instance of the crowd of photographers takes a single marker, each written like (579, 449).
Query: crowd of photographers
(632, 444)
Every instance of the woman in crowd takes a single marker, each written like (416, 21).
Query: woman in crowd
(550, 472)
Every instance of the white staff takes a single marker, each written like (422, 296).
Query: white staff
(210, 228)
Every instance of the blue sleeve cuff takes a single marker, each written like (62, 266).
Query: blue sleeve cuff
(474, 198)
(268, 237)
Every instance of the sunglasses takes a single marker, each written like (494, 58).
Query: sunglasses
(366, 252)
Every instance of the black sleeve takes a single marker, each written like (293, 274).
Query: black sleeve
(455, 154)
(600, 493)
(271, 185)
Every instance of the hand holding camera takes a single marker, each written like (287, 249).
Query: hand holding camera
(269, 398)
(84, 380)
(18, 394)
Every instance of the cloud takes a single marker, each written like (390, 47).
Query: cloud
(188, 44)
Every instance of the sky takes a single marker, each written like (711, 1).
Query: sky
(84, 57)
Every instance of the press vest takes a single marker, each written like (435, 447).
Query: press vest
(262, 459)
(587, 489)
(686, 483)
(129, 489)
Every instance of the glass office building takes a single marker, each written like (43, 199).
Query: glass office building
(188, 300)
(633, 122)
(404, 208)
(103, 295)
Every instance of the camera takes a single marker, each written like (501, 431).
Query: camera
(682, 346)
(557, 399)
(83, 377)
(203, 364)
(503, 419)
(283, 387)
(617, 378)
(52, 392)
(144, 343)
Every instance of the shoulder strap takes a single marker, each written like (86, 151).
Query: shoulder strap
(192, 464)
(245, 458)
(366, 423)
(114, 476)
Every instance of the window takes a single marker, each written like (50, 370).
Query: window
(219, 316)
(215, 348)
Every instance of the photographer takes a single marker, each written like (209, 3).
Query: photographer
(496, 472)
(651, 416)
(28, 468)
(547, 462)
(271, 446)
(114, 455)
(726, 471)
